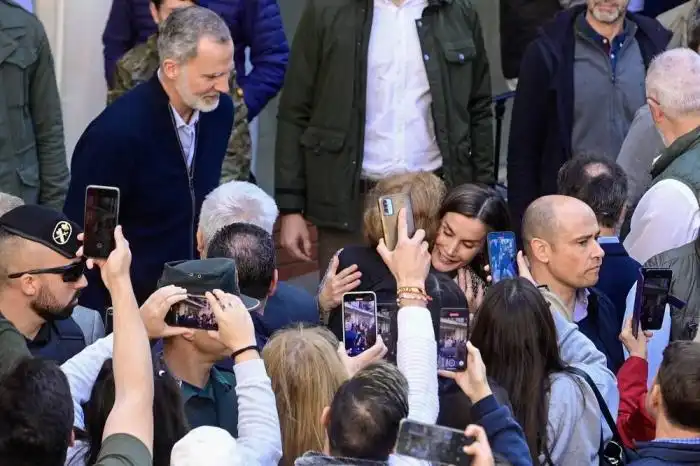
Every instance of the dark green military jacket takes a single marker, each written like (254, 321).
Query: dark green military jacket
(33, 162)
(320, 128)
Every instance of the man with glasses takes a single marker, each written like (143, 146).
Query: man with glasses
(40, 281)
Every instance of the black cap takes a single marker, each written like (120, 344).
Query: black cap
(200, 276)
(43, 225)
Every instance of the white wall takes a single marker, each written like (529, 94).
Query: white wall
(75, 31)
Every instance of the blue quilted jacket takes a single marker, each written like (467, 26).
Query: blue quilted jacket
(254, 24)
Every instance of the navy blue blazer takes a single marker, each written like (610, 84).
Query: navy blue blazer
(133, 145)
(617, 275)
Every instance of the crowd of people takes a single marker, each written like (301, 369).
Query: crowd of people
(379, 98)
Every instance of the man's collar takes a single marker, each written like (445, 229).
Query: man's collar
(679, 147)
(608, 240)
(215, 376)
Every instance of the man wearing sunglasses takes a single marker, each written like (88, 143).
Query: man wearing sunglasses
(40, 281)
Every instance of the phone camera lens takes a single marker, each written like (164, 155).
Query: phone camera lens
(386, 204)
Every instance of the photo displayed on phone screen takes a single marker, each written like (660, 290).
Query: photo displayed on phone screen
(387, 327)
(194, 312)
(360, 321)
(654, 299)
(502, 251)
(454, 334)
(101, 218)
(432, 443)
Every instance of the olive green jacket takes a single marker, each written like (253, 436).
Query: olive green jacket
(32, 150)
(320, 128)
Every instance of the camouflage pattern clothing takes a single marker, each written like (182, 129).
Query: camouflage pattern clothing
(141, 63)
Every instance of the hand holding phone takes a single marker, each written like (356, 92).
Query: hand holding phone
(653, 287)
(472, 381)
(101, 219)
(359, 321)
(433, 443)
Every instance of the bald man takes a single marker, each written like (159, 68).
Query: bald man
(560, 237)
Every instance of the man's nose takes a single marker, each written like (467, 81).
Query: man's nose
(222, 85)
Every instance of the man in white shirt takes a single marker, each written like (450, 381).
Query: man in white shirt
(668, 214)
(394, 86)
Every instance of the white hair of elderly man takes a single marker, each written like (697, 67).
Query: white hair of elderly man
(235, 202)
(673, 82)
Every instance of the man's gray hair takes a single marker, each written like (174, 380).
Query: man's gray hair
(236, 202)
(673, 81)
(9, 202)
(181, 32)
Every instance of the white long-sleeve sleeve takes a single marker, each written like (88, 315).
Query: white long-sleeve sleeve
(259, 435)
(416, 358)
(82, 370)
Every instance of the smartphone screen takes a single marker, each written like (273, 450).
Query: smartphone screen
(651, 299)
(502, 251)
(193, 312)
(452, 343)
(359, 321)
(101, 218)
(432, 443)
(387, 327)
(389, 207)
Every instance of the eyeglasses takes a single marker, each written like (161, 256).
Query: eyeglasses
(70, 273)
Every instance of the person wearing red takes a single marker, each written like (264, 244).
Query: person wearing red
(633, 420)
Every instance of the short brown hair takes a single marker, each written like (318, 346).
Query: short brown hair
(426, 190)
(679, 380)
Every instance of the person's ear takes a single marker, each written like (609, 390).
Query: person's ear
(171, 69)
(273, 284)
(29, 285)
(539, 250)
(200, 243)
(154, 13)
(326, 417)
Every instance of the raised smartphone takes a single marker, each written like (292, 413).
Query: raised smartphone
(359, 321)
(432, 443)
(452, 342)
(653, 288)
(502, 251)
(389, 207)
(101, 218)
(387, 327)
(193, 312)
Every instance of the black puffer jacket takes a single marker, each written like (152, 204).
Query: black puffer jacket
(685, 285)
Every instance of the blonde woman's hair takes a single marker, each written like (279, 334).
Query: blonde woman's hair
(426, 190)
(306, 371)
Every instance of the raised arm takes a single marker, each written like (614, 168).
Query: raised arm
(132, 413)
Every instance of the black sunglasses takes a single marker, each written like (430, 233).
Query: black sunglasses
(70, 273)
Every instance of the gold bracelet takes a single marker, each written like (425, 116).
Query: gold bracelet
(410, 289)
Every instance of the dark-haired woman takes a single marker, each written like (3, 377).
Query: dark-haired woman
(526, 349)
(467, 214)
(462, 219)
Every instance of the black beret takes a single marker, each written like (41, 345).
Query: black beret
(43, 225)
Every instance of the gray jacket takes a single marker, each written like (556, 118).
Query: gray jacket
(32, 152)
(685, 285)
(90, 322)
